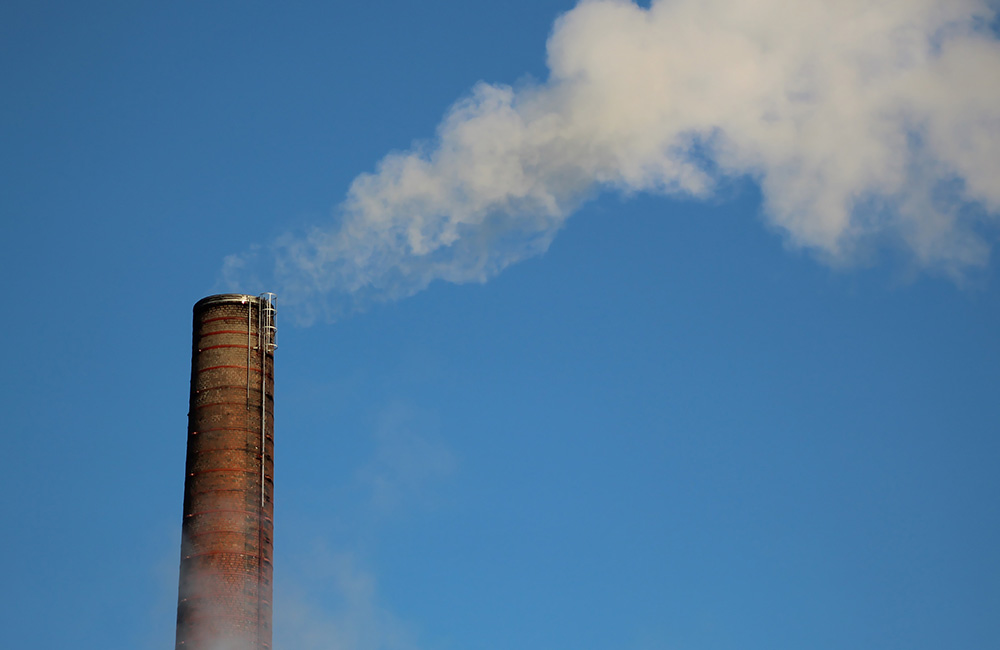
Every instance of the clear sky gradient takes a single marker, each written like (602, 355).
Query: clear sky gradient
(679, 428)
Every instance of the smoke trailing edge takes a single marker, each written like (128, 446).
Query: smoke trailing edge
(865, 123)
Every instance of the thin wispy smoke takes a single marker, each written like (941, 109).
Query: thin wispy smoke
(337, 608)
(865, 122)
(332, 600)
(407, 461)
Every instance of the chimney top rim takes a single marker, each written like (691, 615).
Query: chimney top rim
(227, 298)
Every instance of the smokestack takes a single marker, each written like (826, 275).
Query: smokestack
(224, 599)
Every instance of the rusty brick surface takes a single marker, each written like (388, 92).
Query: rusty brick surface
(224, 596)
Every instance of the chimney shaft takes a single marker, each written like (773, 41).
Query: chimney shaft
(224, 597)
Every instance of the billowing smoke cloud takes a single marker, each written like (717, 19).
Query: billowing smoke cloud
(865, 122)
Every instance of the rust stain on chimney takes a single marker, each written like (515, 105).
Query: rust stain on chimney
(224, 598)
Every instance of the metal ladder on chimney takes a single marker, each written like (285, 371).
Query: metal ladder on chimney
(267, 334)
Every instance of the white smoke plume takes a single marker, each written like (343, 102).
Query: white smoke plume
(864, 122)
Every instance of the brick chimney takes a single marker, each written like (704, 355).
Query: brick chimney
(224, 600)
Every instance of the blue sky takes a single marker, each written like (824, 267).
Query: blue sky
(698, 421)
